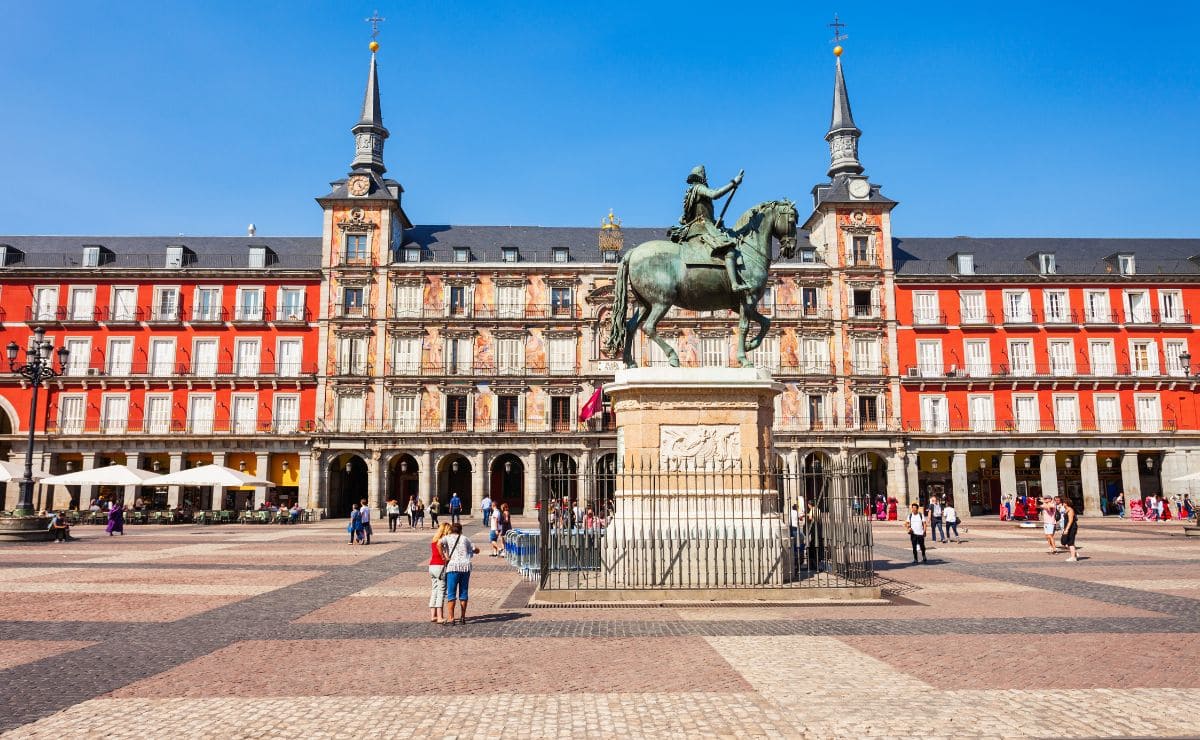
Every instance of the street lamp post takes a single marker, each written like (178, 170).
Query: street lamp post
(37, 367)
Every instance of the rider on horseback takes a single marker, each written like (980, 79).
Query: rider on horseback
(698, 222)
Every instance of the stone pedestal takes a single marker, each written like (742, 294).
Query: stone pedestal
(692, 508)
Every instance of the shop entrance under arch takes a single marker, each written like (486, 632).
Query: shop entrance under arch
(454, 476)
(404, 479)
(507, 483)
(347, 483)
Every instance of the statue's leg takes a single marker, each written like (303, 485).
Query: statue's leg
(763, 322)
(743, 325)
(631, 328)
(657, 311)
(735, 282)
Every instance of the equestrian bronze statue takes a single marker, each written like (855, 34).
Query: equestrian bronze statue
(698, 269)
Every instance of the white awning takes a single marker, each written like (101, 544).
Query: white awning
(109, 475)
(210, 475)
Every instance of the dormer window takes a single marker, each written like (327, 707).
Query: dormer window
(462, 254)
(261, 257)
(610, 256)
(412, 254)
(1125, 264)
(178, 256)
(10, 255)
(559, 254)
(508, 254)
(808, 255)
(964, 263)
(1046, 264)
(95, 255)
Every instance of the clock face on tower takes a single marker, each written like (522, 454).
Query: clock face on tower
(358, 185)
(859, 188)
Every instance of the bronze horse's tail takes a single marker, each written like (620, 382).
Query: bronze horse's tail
(616, 336)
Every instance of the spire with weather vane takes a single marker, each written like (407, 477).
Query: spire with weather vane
(843, 134)
(369, 132)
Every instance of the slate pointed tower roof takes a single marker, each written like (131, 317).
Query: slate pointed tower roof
(369, 132)
(843, 134)
(843, 119)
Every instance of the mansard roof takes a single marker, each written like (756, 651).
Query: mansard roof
(918, 256)
(912, 256)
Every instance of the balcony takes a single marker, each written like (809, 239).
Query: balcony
(1061, 319)
(290, 315)
(830, 424)
(165, 315)
(1019, 317)
(808, 367)
(63, 316)
(1072, 427)
(977, 319)
(357, 312)
(929, 317)
(1081, 369)
(1100, 316)
(871, 368)
(864, 312)
(208, 316)
(409, 425)
(124, 316)
(177, 370)
(344, 370)
(796, 311)
(1154, 319)
(250, 315)
(195, 427)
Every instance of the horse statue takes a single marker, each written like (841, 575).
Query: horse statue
(662, 273)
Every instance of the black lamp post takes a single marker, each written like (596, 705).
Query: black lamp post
(37, 367)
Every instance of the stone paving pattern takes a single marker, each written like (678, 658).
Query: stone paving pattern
(242, 631)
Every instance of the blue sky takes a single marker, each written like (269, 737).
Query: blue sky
(1001, 119)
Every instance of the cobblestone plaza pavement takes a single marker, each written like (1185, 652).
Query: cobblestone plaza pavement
(258, 631)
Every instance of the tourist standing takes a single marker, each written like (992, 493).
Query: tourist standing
(505, 524)
(486, 505)
(1070, 528)
(794, 533)
(494, 535)
(437, 576)
(458, 551)
(433, 513)
(935, 518)
(950, 516)
(455, 516)
(420, 514)
(1049, 515)
(355, 525)
(365, 510)
(915, 525)
(116, 519)
(410, 510)
(393, 512)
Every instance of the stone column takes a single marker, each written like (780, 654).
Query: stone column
(304, 480)
(1008, 475)
(584, 478)
(373, 460)
(1174, 465)
(533, 481)
(958, 484)
(912, 492)
(1131, 483)
(1089, 478)
(425, 478)
(262, 464)
(479, 476)
(85, 492)
(131, 492)
(1049, 471)
(174, 465)
(897, 481)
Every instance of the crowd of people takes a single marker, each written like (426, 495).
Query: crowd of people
(1057, 516)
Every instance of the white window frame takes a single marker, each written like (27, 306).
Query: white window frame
(245, 312)
(153, 423)
(197, 424)
(977, 365)
(114, 304)
(866, 356)
(714, 351)
(204, 369)
(935, 413)
(282, 310)
(1021, 364)
(1061, 365)
(79, 361)
(1026, 425)
(1170, 306)
(67, 402)
(212, 312)
(1149, 351)
(73, 308)
(1172, 349)
(1142, 315)
(1149, 421)
(981, 422)
(285, 367)
(1018, 314)
(965, 263)
(410, 301)
(111, 367)
(965, 306)
(1104, 423)
(45, 303)
(406, 356)
(352, 356)
(406, 422)
(458, 355)
(510, 301)
(347, 421)
(285, 425)
(929, 358)
(1047, 265)
(1106, 367)
(243, 366)
(1097, 307)
(1056, 312)
(238, 424)
(156, 309)
(154, 365)
(1066, 423)
(1126, 264)
(561, 353)
(925, 308)
(510, 356)
(766, 355)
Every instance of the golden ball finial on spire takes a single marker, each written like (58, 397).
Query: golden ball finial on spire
(373, 46)
(837, 51)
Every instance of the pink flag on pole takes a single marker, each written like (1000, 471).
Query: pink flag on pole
(592, 407)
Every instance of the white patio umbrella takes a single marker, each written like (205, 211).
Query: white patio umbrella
(11, 471)
(108, 475)
(210, 475)
(1189, 476)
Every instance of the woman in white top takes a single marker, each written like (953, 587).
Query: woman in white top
(458, 551)
(393, 512)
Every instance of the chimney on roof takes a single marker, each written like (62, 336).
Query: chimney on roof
(250, 230)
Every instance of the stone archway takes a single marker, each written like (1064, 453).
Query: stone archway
(404, 473)
(507, 483)
(814, 466)
(562, 481)
(875, 467)
(454, 476)
(347, 483)
(605, 484)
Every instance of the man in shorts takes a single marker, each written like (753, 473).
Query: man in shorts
(915, 524)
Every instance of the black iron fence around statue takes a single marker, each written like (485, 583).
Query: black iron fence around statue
(700, 524)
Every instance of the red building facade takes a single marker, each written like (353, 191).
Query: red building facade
(1048, 366)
